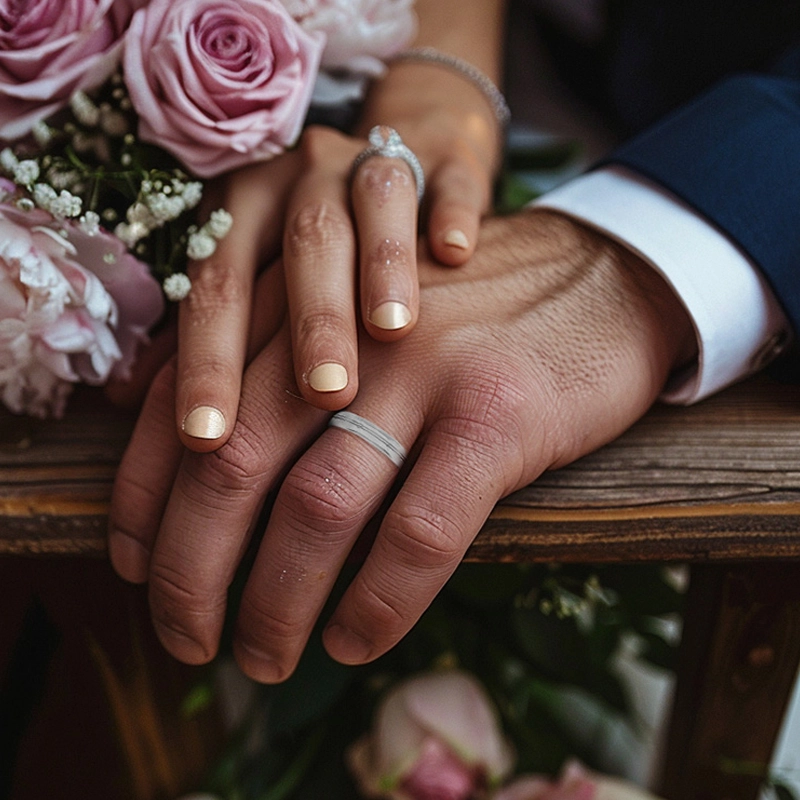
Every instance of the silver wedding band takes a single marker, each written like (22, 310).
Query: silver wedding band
(386, 142)
(382, 441)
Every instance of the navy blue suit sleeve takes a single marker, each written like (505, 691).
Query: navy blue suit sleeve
(734, 155)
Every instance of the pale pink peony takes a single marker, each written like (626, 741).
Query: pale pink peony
(220, 83)
(360, 34)
(73, 308)
(435, 737)
(49, 49)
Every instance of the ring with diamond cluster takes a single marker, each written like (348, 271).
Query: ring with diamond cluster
(372, 434)
(385, 141)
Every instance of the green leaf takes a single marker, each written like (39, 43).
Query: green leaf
(199, 698)
(783, 792)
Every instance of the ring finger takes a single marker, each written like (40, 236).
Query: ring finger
(385, 203)
(325, 501)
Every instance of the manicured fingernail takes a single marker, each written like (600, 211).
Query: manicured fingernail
(328, 377)
(346, 646)
(390, 316)
(456, 238)
(204, 422)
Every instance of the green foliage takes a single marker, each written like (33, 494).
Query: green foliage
(528, 632)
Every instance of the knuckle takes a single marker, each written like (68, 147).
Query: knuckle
(216, 285)
(377, 175)
(326, 324)
(317, 143)
(265, 626)
(178, 604)
(381, 611)
(316, 228)
(237, 466)
(423, 536)
(322, 499)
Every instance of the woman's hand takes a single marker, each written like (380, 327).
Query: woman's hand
(349, 252)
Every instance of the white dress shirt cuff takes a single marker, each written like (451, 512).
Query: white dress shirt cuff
(739, 324)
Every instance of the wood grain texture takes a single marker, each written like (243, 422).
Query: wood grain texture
(717, 481)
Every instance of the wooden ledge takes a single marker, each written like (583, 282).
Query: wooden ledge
(716, 481)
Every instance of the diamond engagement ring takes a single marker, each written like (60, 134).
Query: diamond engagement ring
(385, 141)
(382, 441)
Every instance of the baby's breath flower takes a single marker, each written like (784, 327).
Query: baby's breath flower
(177, 286)
(192, 193)
(140, 213)
(42, 132)
(164, 207)
(66, 205)
(8, 160)
(26, 172)
(200, 245)
(25, 204)
(44, 195)
(84, 109)
(130, 233)
(90, 223)
(219, 224)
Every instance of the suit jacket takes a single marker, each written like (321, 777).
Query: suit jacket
(713, 87)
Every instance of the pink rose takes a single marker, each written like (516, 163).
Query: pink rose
(50, 49)
(220, 83)
(72, 308)
(360, 34)
(435, 737)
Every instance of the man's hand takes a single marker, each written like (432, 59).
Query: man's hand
(550, 342)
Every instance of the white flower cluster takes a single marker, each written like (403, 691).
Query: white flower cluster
(110, 120)
(202, 244)
(25, 173)
(158, 203)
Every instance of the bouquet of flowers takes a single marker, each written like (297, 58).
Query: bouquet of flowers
(111, 114)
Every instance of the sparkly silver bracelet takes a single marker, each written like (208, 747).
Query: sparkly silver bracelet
(469, 71)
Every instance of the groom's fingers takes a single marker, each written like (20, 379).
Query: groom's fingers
(148, 469)
(143, 481)
(463, 469)
(215, 500)
(324, 503)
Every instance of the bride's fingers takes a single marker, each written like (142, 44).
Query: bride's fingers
(458, 195)
(215, 317)
(319, 256)
(384, 195)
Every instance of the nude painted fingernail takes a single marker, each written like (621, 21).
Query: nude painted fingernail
(328, 377)
(456, 238)
(390, 316)
(204, 422)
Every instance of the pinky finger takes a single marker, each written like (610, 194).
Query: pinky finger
(458, 196)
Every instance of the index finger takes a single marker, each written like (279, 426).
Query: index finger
(215, 317)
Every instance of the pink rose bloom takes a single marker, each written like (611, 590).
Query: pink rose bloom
(50, 49)
(72, 309)
(435, 737)
(574, 783)
(220, 83)
(360, 34)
